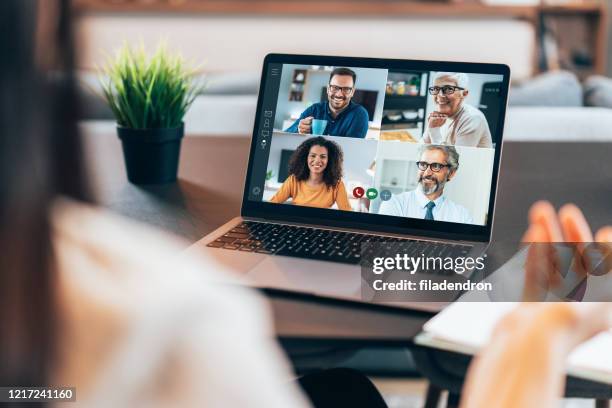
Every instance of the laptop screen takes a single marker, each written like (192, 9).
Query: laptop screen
(406, 144)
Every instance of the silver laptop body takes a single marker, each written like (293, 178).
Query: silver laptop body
(333, 279)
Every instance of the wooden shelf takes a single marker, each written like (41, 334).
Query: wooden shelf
(572, 8)
(387, 121)
(307, 7)
(400, 8)
(578, 28)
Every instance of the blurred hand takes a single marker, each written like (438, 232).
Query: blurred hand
(543, 267)
(305, 125)
(436, 119)
(575, 322)
(524, 363)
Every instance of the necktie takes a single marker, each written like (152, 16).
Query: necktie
(429, 214)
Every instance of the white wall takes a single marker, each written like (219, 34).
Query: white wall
(239, 43)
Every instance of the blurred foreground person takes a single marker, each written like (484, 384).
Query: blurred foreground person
(91, 300)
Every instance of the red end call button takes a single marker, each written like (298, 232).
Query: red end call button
(358, 192)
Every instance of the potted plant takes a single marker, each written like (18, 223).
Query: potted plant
(149, 96)
(269, 175)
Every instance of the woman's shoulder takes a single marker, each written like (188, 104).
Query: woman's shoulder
(293, 182)
(136, 282)
(125, 250)
(473, 113)
(340, 185)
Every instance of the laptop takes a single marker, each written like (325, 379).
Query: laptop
(349, 153)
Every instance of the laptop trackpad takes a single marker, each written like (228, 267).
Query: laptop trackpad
(310, 276)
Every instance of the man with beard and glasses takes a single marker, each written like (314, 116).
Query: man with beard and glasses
(437, 165)
(454, 122)
(341, 116)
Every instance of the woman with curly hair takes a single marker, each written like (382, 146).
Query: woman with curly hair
(315, 176)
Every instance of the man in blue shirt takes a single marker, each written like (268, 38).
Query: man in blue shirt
(344, 117)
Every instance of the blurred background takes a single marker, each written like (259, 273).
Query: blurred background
(557, 50)
(529, 35)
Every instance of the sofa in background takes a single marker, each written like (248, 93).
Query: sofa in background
(551, 107)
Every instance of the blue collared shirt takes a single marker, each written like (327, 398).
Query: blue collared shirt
(413, 204)
(351, 122)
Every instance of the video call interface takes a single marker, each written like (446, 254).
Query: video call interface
(415, 144)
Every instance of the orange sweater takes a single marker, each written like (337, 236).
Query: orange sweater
(303, 194)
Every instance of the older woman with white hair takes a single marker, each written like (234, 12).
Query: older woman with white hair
(454, 122)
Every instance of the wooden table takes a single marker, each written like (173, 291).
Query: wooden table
(209, 192)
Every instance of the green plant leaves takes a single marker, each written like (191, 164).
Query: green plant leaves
(146, 92)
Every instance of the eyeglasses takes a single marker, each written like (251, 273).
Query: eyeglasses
(435, 167)
(446, 89)
(345, 89)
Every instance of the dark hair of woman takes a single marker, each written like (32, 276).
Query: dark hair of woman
(298, 163)
(40, 159)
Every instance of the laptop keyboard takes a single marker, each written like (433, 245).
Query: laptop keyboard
(314, 243)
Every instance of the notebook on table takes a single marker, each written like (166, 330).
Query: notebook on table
(467, 327)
